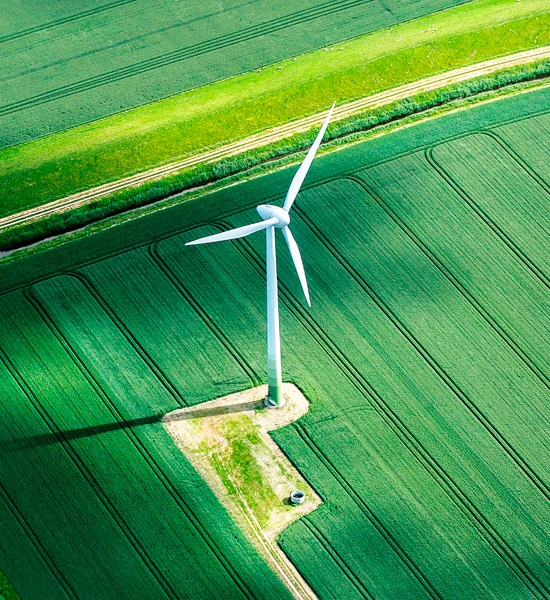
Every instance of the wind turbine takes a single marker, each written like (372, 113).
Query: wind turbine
(275, 217)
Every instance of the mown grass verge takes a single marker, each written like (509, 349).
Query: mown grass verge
(279, 154)
(107, 150)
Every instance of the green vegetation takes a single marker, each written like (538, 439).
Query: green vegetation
(424, 357)
(236, 466)
(6, 590)
(66, 65)
(277, 154)
(161, 132)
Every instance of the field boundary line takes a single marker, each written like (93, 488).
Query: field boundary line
(141, 448)
(68, 19)
(29, 294)
(158, 373)
(456, 283)
(274, 197)
(337, 559)
(459, 498)
(505, 238)
(217, 43)
(163, 266)
(276, 133)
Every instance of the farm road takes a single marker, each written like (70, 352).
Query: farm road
(278, 133)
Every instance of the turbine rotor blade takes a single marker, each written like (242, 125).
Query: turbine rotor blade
(297, 259)
(304, 167)
(233, 234)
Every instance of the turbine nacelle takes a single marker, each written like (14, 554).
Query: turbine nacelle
(268, 211)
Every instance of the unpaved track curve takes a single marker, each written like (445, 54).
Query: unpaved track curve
(278, 133)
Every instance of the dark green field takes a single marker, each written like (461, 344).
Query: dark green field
(63, 64)
(424, 355)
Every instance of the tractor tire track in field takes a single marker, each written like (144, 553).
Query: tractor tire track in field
(192, 51)
(365, 510)
(148, 458)
(256, 379)
(83, 469)
(517, 158)
(455, 282)
(160, 375)
(122, 44)
(80, 464)
(447, 483)
(316, 331)
(62, 21)
(338, 560)
(486, 530)
(50, 564)
(49, 561)
(275, 134)
(497, 230)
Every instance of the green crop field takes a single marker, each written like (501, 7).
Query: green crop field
(424, 356)
(206, 117)
(63, 65)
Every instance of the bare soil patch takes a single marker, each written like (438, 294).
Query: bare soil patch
(227, 441)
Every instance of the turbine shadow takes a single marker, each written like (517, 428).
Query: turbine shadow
(212, 411)
(75, 434)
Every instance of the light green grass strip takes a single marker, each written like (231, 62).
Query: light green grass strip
(109, 149)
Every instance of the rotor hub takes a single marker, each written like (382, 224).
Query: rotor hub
(267, 211)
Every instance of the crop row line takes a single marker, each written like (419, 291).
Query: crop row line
(363, 507)
(434, 364)
(455, 282)
(49, 25)
(234, 352)
(130, 337)
(497, 230)
(14, 509)
(336, 557)
(447, 483)
(77, 460)
(517, 159)
(316, 331)
(148, 458)
(187, 52)
(115, 45)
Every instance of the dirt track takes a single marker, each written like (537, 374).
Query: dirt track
(278, 133)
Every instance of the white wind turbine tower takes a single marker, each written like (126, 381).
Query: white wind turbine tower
(275, 217)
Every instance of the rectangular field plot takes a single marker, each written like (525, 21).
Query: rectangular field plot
(437, 320)
(153, 309)
(507, 196)
(120, 488)
(529, 139)
(480, 264)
